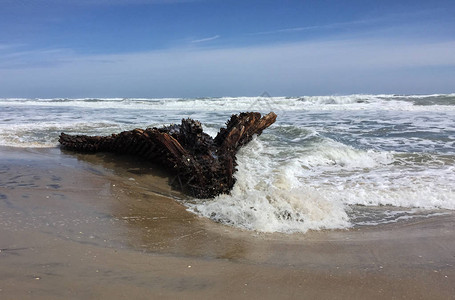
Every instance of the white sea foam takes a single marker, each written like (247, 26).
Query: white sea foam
(324, 155)
(359, 177)
(313, 190)
(347, 102)
(45, 133)
(330, 155)
(270, 199)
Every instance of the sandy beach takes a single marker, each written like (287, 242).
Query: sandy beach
(76, 226)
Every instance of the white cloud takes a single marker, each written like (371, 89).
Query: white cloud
(305, 68)
(206, 39)
(316, 27)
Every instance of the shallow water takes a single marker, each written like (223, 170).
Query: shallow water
(99, 226)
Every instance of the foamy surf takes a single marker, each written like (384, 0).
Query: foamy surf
(306, 103)
(328, 162)
(268, 198)
(321, 187)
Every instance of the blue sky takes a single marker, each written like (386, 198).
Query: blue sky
(210, 48)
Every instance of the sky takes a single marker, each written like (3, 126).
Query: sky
(215, 48)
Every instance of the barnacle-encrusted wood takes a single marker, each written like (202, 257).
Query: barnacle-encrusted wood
(204, 165)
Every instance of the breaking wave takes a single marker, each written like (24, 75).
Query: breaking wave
(317, 188)
(329, 161)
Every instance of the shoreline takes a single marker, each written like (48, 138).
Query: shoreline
(98, 226)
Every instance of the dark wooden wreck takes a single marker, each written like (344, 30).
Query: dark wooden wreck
(204, 165)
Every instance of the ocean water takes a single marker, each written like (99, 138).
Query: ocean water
(329, 162)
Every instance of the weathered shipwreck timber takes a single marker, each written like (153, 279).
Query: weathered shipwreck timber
(204, 165)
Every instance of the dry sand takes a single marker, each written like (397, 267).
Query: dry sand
(78, 226)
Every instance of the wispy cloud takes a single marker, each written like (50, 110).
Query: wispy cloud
(206, 39)
(17, 57)
(359, 23)
(315, 27)
(304, 68)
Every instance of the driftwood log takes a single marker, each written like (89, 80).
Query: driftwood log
(204, 165)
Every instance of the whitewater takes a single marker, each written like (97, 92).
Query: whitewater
(329, 162)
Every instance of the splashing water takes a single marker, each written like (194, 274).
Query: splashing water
(329, 162)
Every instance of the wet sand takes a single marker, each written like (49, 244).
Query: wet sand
(78, 226)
